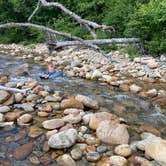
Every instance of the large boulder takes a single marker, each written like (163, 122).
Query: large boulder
(71, 103)
(87, 101)
(112, 133)
(97, 118)
(53, 124)
(156, 149)
(63, 139)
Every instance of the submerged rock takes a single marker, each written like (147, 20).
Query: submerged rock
(24, 119)
(3, 96)
(20, 153)
(63, 139)
(53, 124)
(87, 101)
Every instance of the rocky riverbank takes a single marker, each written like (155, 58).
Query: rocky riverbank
(73, 130)
(119, 71)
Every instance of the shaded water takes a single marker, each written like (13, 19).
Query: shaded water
(137, 111)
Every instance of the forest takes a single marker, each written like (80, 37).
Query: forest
(144, 19)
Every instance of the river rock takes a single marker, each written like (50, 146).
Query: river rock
(34, 132)
(112, 133)
(151, 93)
(12, 116)
(135, 88)
(156, 149)
(28, 107)
(24, 119)
(32, 97)
(123, 150)
(34, 160)
(152, 64)
(4, 109)
(63, 139)
(20, 153)
(97, 118)
(42, 114)
(72, 111)
(53, 98)
(142, 161)
(50, 133)
(65, 160)
(18, 97)
(71, 103)
(159, 101)
(11, 84)
(86, 118)
(92, 156)
(76, 153)
(2, 118)
(146, 138)
(113, 160)
(53, 124)
(3, 96)
(87, 101)
(96, 74)
(9, 101)
(71, 118)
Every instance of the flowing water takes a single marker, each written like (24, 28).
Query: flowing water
(137, 111)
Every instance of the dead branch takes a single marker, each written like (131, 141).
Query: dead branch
(43, 28)
(96, 42)
(86, 23)
(34, 12)
(14, 89)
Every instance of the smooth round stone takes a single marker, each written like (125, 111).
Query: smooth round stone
(24, 119)
(12, 116)
(50, 133)
(4, 109)
(53, 98)
(123, 150)
(18, 97)
(72, 111)
(42, 114)
(2, 118)
(53, 124)
(65, 160)
(76, 153)
(93, 156)
(87, 101)
(35, 132)
(71, 118)
(3, 96)
(86, 118)
(101, 149)
(63, 139)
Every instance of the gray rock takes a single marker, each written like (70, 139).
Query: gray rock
(53, 124)
(53, 98)
(63, 139)
(4, 109)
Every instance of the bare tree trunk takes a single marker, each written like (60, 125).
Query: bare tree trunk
(96, 42)
(14, 89)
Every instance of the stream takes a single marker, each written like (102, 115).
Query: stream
(134, 110)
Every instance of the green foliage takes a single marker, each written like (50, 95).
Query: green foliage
(149, 23)
(132, 51)
(145, 19)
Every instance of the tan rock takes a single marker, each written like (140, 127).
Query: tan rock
(97, 118)
(123, 150)
(112, 133)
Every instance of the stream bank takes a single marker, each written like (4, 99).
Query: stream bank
(54, 107)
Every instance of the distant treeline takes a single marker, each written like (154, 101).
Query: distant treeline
(145, 19)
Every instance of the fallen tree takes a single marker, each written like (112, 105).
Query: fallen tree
(74, 40)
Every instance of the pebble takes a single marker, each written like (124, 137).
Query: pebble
(53, 124)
